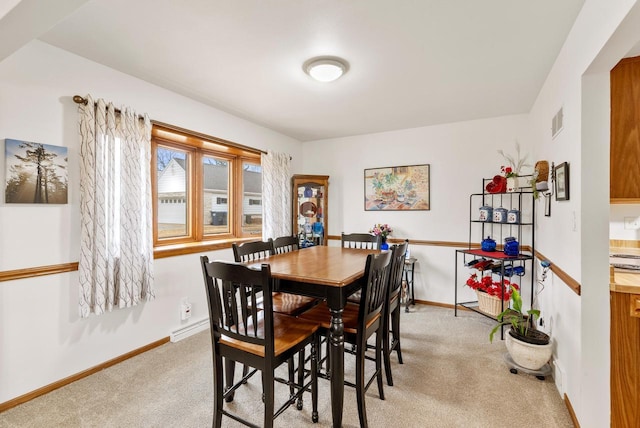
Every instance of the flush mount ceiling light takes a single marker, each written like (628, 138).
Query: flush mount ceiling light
(325, 68)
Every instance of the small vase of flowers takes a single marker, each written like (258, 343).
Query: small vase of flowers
(383, 230)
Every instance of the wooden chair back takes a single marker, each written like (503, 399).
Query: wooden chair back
(234, 312)
(285, 244)
(361, 241)
(252, 251)
(374, 292)
(397, 268)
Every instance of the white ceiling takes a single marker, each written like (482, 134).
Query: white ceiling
(412, 62)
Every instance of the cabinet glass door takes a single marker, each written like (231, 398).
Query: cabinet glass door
(309, 216)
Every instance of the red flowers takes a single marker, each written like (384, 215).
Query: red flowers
(494, 288)
(508, 171)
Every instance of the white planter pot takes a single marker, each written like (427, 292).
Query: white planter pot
(528, 355)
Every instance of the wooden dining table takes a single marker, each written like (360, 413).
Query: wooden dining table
(331, 273)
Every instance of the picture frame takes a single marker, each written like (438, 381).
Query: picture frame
(547, 205)
(561, 174)
(36, 173)
(397, 188)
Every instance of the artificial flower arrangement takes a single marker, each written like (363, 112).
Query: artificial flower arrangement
(508, 171)
(515, 163)
(381, 229)
(487, 285)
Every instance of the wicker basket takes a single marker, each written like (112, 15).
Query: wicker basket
(543, 171)
(490, 305)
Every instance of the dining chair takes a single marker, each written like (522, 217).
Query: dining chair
(361, 241)
(392, 308)
(286, 244)
(284, 303)
(258, 337)
(361, 321)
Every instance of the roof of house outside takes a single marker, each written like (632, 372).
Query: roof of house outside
(216, 177)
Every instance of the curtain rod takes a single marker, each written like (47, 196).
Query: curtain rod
(81, 100)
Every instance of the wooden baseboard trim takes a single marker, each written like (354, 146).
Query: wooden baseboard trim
(66, 381)
(572, 414)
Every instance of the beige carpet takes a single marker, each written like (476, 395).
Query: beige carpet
(451, 377)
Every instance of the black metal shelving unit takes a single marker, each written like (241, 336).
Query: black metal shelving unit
(479, 229)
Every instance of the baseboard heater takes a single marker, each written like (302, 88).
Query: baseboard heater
(189, 330)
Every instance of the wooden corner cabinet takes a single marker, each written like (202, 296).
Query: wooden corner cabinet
(310, 209)
(625, 138)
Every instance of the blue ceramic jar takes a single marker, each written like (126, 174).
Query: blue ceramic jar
(511, 247)
(513, 216)
(486, 213)
(500, 215)
(488, 244)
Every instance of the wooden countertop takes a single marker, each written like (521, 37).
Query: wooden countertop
(621, 280)
(624, 282)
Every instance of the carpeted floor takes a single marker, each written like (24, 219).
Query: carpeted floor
(451, 377)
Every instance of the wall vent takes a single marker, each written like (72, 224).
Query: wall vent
(557, 123)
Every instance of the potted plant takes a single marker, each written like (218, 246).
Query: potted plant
(527, 346)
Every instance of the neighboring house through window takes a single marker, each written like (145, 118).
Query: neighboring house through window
(205, 188)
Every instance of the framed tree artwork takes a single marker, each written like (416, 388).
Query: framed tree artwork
(35, 173)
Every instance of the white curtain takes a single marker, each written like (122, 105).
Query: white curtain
(276, 195)
(116, 249)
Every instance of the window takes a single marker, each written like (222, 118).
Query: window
(204, 188)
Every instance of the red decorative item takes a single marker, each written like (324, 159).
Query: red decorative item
(497, 185)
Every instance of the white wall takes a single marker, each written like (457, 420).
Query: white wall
(617, 215)
(42, 338)
(576, 235)
(459, 155)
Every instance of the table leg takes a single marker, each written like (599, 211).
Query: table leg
(336, 340)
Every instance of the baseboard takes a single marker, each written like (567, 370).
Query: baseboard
(572, 414)
(66, 381)
(442, 305)
(189, 330)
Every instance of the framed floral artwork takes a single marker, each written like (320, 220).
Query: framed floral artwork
(397, 188)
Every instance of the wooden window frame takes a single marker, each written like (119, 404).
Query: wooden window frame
(198, 146)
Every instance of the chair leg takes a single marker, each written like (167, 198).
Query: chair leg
(229, 371)
(379, 341)
(315, 348)
(360, 384)
(268, 394)
(301, 357)
(291, 369)
(328, 358)
(395, 327)
(386, 352)
(218, 386)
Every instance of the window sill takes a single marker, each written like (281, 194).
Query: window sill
(195, 247)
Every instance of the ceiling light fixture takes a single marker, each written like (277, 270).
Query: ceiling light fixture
(325, 68)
